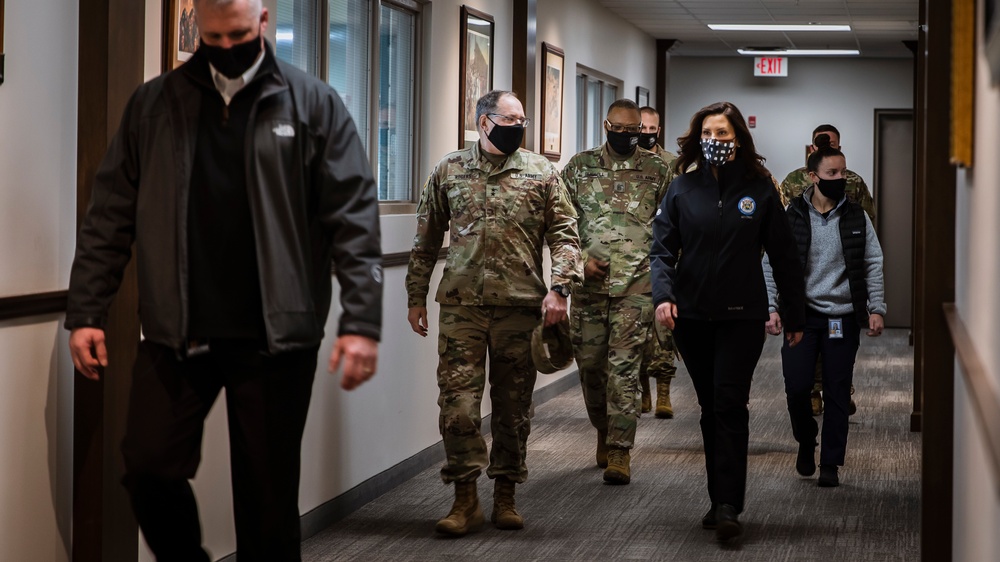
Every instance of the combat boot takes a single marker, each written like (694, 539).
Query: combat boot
(663, 408)
(618, 466)
(466, 514)
(602, 448)
(505, 515)
(647, 398)
(817, 402)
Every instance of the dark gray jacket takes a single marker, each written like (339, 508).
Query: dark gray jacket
(312, 198)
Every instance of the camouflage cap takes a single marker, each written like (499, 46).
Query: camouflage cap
(551, 347)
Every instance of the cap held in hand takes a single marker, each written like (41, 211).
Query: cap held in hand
(551, 347)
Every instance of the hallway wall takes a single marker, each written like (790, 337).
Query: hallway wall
(38, 120)
(842, 91)
(977, 267)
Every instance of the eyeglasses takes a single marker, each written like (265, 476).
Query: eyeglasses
(619, 128)
(507, 120)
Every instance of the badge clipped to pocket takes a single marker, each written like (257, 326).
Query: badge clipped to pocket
(836, 328)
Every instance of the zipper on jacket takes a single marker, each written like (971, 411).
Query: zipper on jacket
(225, 121)
(720, 208)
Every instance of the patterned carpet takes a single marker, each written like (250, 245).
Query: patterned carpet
(570, 514)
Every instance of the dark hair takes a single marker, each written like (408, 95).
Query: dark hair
(822, 152)
(488, 103)
(623, 103)
(690, 143)
(825, 128)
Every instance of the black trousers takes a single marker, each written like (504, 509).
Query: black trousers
(798, 365)
(267, 398)
(721, 358)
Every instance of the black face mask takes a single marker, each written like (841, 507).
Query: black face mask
(236, 60)
(832, 189)
(647, 140)
(623, 143)
(506, 138)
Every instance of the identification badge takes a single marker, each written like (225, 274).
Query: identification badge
(836, 326)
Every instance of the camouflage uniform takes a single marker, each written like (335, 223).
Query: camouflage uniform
(658, 361)
(611, 319)
(499, 218)
(857, 191)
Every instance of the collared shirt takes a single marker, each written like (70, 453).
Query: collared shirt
(616, 201)
(499, 216)
(228, 87)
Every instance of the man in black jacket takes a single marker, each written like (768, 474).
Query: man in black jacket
(239, 179)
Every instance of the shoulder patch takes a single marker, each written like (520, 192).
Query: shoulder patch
(747, 206)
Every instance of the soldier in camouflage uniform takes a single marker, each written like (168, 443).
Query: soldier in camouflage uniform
(502, 206)
(616, 190)
(857, 191)
(658, 361)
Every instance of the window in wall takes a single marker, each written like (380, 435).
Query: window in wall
(368, 51)
(594, 93)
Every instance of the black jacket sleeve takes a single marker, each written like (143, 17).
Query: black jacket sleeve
(349, 211)
(104, 242)
(779, 244)
(665, 249)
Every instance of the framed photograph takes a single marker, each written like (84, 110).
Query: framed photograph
(180, 34)
(991, 37)
(475, 71)
(553, 72)
(641, 96)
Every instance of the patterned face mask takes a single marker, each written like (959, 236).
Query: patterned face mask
(717, 152)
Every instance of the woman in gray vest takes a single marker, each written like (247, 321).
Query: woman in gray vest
(842, 260)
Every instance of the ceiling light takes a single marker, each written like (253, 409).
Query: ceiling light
(800, 52)
(777, 27)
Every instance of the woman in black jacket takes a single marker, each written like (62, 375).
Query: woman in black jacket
(712, 227)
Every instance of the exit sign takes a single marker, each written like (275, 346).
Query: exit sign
(770, 66)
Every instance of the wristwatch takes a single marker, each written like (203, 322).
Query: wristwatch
(562, 290)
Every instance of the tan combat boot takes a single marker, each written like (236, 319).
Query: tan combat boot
(465, 515)
(816, 400)
(647, 399)
(505, 515)
(663, 408)
(602, 448)
(618, 466)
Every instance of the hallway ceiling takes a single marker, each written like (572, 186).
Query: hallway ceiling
(878, 27)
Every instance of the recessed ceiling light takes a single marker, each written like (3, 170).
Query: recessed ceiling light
(777, 27)
(799, 52)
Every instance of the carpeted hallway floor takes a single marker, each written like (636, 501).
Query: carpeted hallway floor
(570, 514)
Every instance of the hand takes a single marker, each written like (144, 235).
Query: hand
(793, 338)
(418, 319)
(773, 325)
(666, 313)
(360, 355)
(86, 346)
(876, 323)
(595, 269)
(554, 308)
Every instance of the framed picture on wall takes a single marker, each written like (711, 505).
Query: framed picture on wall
(553, 73)
(991, 37)
(475, 71)
(641, 96)
(180, 34)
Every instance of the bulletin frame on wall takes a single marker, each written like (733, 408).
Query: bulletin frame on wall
(553, 80)
(475, 70)
(1, 42)
(180, 34)
(641, 96)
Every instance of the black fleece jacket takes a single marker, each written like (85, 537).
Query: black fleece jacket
(708, 239)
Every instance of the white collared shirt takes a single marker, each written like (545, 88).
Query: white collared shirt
(228, 87)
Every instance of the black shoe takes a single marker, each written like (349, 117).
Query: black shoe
(805, 463)
(852, 408)
(828, 476)
(708, 521)
(728, 523)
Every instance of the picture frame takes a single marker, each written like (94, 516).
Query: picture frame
(991, 38)
(1, 42)
(475, 70)
(552, 82)
(641, 96)
(180, 34)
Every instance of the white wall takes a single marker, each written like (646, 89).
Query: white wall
(592, 36)
(842, 91)
(977, 265)
(38, 117)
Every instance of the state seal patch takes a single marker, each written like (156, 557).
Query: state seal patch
(747, 206)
